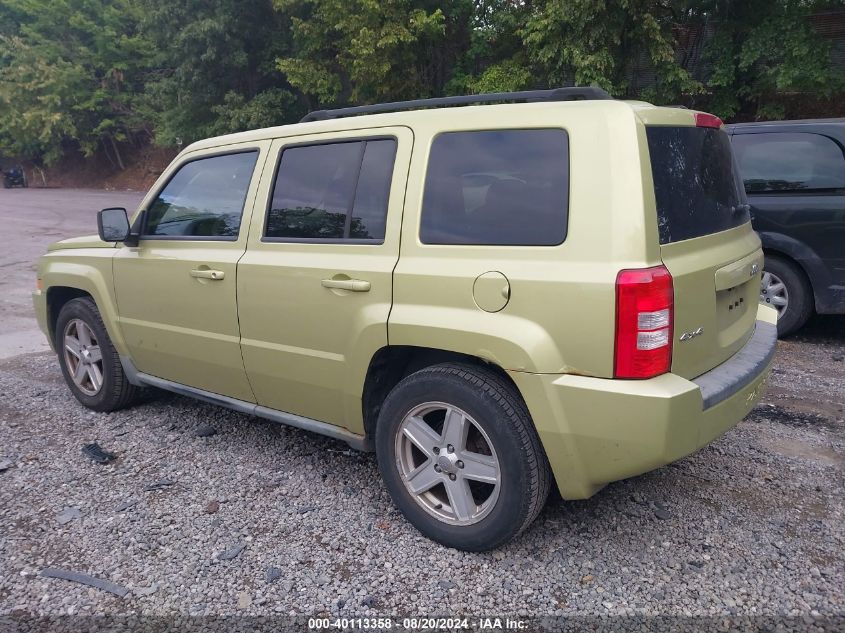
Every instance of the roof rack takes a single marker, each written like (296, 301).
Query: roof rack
(558, 94)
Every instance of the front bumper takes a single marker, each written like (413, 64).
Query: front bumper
(39, 304)
(597, 430)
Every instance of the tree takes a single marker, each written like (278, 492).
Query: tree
(360, 50)
(70, 70)
(32, 97)
(599, 43)
(760, 48)
(214, 71)
(96, 74)
(494, 59)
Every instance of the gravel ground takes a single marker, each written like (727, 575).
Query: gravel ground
(263, 519)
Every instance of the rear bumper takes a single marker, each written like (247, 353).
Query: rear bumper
(597, 430)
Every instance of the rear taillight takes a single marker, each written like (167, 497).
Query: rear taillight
(702, 119)
(644, 319)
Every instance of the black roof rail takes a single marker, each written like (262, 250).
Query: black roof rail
(557, 94)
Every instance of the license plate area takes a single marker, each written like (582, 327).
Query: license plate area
(736, 309)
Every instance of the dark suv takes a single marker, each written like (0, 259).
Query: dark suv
(794, 175)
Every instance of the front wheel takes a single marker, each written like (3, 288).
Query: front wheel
(89, 362)
(459, 455)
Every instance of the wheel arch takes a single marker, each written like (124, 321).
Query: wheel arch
(390, 364)
(805, 260)
(57, 298)
(65, 281)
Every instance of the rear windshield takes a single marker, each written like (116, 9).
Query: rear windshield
(695, 185)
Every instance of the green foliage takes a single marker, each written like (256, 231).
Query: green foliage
(32, 93)
(100, 74)
(68, 70)
(212, 62)
(268, 108)
(599, 43)
(761, 47)
(360, 50)
(492, 59)
(507, 76)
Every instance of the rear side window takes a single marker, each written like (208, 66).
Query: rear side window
(695, 187)
(332, 191)
(205, 198)
(789, 162)
(498, 187)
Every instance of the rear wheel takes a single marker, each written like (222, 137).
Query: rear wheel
(784, 287)
(459, 455)
(90, 364)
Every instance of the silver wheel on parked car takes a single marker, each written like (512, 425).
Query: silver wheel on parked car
(773, 292)
(448, 463)
(459, 455)
(83, 356)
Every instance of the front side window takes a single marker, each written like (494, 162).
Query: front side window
(789, 162)
(332, 191)
(497, 187)
(205, 198)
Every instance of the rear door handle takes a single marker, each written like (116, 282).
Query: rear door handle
(204, 273)
(355, 285)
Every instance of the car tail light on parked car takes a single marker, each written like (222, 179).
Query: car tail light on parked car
(644, 320)
(702, 119)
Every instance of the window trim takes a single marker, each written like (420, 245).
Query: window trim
(329, 240)
(202, 238)
(566, 134)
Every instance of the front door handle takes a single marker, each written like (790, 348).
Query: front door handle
(355, 285)
(205, 273)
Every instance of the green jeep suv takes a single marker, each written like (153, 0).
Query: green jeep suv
(496, 293)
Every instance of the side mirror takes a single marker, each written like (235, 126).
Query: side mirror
(113, 225)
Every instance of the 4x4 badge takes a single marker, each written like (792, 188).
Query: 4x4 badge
(688, 336)
(754, 269)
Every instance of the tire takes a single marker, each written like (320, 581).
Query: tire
(783, 281)
(498, 430)
(114, 390)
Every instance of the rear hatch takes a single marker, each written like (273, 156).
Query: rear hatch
(706, 243)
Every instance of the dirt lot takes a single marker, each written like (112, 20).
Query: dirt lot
(262, 519)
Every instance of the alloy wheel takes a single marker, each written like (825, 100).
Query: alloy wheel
(448, 463)
(773, 292)
(83, 357)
